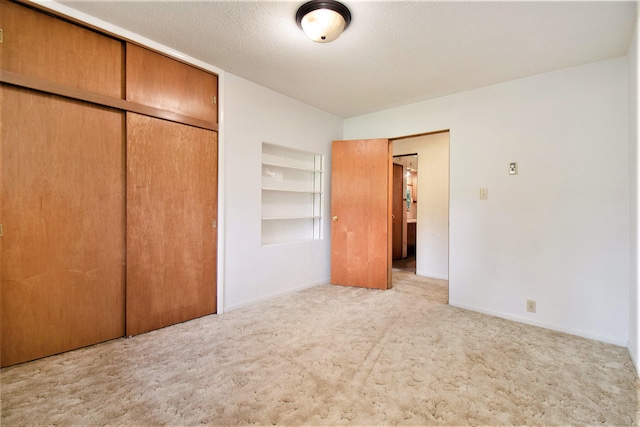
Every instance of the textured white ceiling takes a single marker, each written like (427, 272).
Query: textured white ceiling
(393, 53)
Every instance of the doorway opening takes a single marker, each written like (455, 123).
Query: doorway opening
(423, 229)
(405, 211)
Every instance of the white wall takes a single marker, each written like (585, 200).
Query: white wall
(634, 159)
(558, 232)
(252, 115)
(432, 233)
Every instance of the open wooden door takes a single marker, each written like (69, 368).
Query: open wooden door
(361, 184)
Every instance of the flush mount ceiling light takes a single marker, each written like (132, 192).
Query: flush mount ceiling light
(323, 20)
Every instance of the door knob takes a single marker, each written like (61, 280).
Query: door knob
(393, 217)
(334, 219)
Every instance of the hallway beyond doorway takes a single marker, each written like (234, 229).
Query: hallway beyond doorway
(406, 264)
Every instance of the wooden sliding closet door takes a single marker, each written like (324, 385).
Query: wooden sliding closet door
(63, 194)
(171, 240)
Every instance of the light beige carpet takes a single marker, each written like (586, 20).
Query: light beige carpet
(333, 355)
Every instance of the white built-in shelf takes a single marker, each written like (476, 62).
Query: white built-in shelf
(277, 218)
(292, 191)
(291, 167)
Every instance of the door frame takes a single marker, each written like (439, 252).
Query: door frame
(446, 130)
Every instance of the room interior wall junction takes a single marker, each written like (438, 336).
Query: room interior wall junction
(558, 231)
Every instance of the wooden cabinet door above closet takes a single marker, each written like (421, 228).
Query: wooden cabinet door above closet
(47, 48)
(161, 82)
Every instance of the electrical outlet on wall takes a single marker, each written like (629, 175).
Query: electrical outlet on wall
(531, 306)
(513, 168)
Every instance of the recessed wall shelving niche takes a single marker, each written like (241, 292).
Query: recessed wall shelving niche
(292, 187)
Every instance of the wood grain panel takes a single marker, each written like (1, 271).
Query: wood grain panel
(360, 199)
(163, 82)
(171, 244)
(63, 197)
(38, 45)
(28, 82)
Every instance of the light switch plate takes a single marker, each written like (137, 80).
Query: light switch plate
(484, 194)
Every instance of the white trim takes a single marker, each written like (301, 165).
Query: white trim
(527, 321)
(635, 363)
(126, 34)
(432, 276)
(220, 282)
(276, 294)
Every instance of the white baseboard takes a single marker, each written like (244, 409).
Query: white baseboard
(633, 358)
(433, 276)
(527, 321)
(273, 295)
